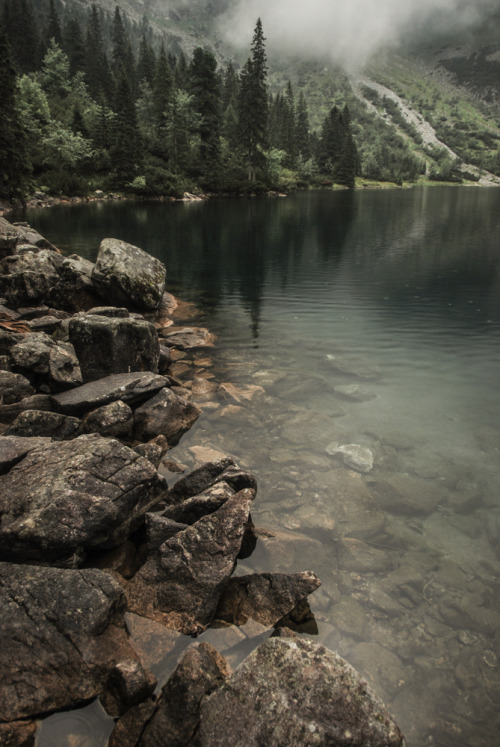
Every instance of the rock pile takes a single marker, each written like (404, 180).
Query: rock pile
(89, 406)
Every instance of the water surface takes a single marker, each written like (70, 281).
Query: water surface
(396, 292)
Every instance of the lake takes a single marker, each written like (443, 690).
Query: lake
(372, 319)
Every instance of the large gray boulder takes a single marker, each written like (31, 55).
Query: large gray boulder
(74, 290)
(165, 414)
(67, 497)
(62, 634)
(181, 583)
(131, 388)
(28, 277)
(106, 345)
(126, 275)
(14, 448)
(38, 356)
(295, 692)
(41, 423)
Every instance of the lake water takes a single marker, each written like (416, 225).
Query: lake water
(368, 318)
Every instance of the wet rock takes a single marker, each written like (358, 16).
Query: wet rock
(159, 529)
(131, 388)
(403, 494)
(28, 277)
(264, 597)
(110, 345)
(14, 387)
(188, 338)
(354, 393)
(181, 584)
(241, 394)
(114, 420)
(175, 717)
(469, 612)
(13, 449)
(167, 414)
(54, 362)
(354, 456)
(127, 685)
(18, 734)
(356, 513)
(130, 726)
(125, 275)
(202, 478)
(192, 509)
(349, 617)
(385, 670)
(153, 450)
(74, 290)
(282, 550)
(358, 556)
(62, 632)
(32, 423)
(296, 692)
(203, 454)
(67, 497)
(353, 366)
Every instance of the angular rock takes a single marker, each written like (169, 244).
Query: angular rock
(131, 388)
(264, 597)
(74, 290)
(188, 338)
(47, 324)
(180, 585)
(41, 423)
(175, 721)
(8, 238)
(27, 278)
(70, 496)
(165, 414)
(62, 633)
(18, 734)
(113, 420)
(192, 509)
(153, 450)
(127, 685)
(14, 387)
(55, 362)
(110, 345)
(295, 692)
(159, 530)
(353, 366)
(13, 449)
(111, 311)
(241, 394)
(354, 392)
(199, 480)
(354, 456)
(124, 275)
(8, 413)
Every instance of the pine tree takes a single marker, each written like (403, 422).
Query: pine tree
(53, 28)
(14, 163)
(74, 46)
(253, 105)
(123, 58)
(302, 129)
(146, 63)
(97, 74)
(126, 151)
(19, 26)
(205, 90)
(162, 90)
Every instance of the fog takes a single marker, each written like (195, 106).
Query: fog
(348, 31)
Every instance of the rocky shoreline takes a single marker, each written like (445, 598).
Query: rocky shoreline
(100, 539)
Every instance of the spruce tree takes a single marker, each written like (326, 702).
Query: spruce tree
(123, 58)
(19, 25)
(14, 163)
(253, 105)
(163, 91)
(97, 74)
(302, 129)
(53, 28)
(146, 63)
(126, 151)
(74, 46)
(205, 90)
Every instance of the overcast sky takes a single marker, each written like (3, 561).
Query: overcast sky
(345, 30)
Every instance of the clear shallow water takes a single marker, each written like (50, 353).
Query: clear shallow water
(397, 292)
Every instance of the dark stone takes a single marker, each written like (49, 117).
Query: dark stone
(175, 721)
(180, 585)
(153, 450)
(33, 312)
(42, 423)
(264, 597)
(18, 734)
(129, 727)
(14, 387)
(70, 496)
(14, 449)
(8, 413)
(62, 633)
(8, 338)
(165, 414)
(200, 505)
(47, 324)
(295, 692)
(74, 290)
(159, 529)
(188, 338)
(128, 684)
(126, 275)
(55, 362)
(115, 420)
(131, 388)
(110, 311)
(199, 480)
(110, 345)
(165, 359)
(27, 278)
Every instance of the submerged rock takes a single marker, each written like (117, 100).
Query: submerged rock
(295, 692)
(188, 338)
(65, 498)
(124, 275)
(181, 584)
(354, 456)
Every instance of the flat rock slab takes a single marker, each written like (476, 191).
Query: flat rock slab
(124, 275)
(62, 632)
(131, 388)
(295, 692)
(40, 423)
(264, 597)
(67, 497)
(181, 584)
(188, 338)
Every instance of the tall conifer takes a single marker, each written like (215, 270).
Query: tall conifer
(253, 104)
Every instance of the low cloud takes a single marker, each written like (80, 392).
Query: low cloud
(348, 31)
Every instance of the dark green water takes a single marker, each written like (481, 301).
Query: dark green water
(397, 292)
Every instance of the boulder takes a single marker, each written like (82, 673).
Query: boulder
(127, 685)
(13, 449)
(8, 413)
(165, 414)
(131, 388)
(295, 692)
(55, 362)
(114, 420)
(174, 718)
(211, 473)
(110, 345)
(159, 529)
(62, 633)
(41, 423)
(264, 597)
(67, 497)
(14, 387)
(192, 509)
(18, 734)
(28, 277)
(180, 585)
(74, 290)
(126, 275)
